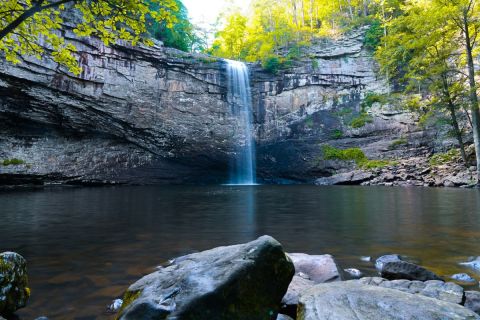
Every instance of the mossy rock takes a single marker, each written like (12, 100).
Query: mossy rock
(14, 291)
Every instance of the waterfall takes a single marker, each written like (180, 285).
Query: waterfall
(242, 171)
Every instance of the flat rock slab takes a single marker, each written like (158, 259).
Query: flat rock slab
(408, 271)
(351, 300)
(244, 281)
(348, 178)
(445, 291)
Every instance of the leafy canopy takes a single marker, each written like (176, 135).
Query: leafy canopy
(34, 27)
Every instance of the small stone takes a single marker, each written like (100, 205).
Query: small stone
(354, 273)
(116, 305)
(463, 277)
(14, 291)
(366, 258)
(283, 317)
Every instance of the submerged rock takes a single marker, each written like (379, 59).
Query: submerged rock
(445, 291)
(351, 300)
(463, 277)
(245, 281)
(14, 291)
(406, 270)
(473, 263)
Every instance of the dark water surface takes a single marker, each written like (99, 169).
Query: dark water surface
(84, 246)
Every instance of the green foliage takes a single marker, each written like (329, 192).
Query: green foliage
(33, 28)
(397, 143)
(372, 98)
(180, 34)
(361, 121)
(353, 154)
(337, 134)
(374, 34)
(272, 64)
(315, 64)
(13, 162)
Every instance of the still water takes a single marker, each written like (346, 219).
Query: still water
(84, 246)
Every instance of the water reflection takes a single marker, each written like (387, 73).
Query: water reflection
(85, 246)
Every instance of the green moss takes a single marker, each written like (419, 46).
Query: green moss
(442, 158)
(397, 143)
(208, 60)
(14, 161)
(353, 154)
(361, 121)
(343, 112)
(315, 64)
(128, 298)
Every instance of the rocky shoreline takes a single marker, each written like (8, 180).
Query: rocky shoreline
(258, 280)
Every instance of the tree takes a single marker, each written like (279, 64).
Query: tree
(33, 27)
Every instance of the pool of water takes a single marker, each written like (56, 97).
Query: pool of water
(84, 246)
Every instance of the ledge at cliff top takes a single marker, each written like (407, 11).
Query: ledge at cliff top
(158, 115)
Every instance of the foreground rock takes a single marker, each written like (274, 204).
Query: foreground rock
(472, 301)
(351, 300)
(445, 291)
(310, 270)
(406, 270)
(244, 281)
(14, 291)
(473, 263)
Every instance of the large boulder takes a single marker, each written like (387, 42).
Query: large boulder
(472, 301)
(245, 281)
(406, 270)
(14, 291)
(445, 291)
(351, 300)
(381, 261)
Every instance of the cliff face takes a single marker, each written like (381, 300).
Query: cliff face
(150, 115)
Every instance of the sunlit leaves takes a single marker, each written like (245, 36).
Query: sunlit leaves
(110, 20)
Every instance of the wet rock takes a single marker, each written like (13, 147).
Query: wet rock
(463, 277)
(354, 273)
(445, 291)
(300, 283)
(116, 305)
(283, 317)
(472, 301)
(245, 281)
(473, 263)
(351, 300)
(318, 268)
(406, 270)
(366, 258)
(14, 291)
(379, 263)
(309, 271)
(42, 318)
(349, 178)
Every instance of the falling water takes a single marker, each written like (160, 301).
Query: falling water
(242, 171)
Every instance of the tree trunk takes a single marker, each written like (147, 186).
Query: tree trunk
(473, 91)
(365, 8)
(453, 116)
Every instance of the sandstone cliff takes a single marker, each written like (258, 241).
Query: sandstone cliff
(157, 115)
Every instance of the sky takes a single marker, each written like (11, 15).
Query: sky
(205, 12)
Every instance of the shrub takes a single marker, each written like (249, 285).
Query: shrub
(361, 121)
(271, 64)
(371, 98)
(337, 134)
(315, 64)
(400, 142)
(374, 35)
